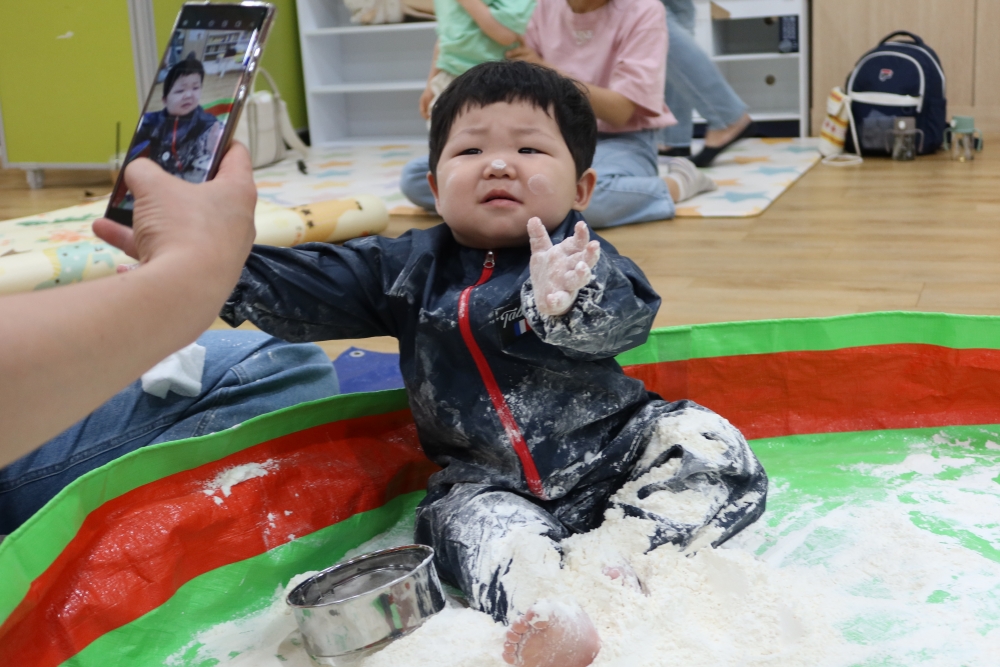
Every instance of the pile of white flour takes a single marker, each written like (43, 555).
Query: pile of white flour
(845, 583)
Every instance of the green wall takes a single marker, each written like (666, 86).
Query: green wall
(61, 98)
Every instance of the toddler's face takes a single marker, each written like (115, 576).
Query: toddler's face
(184, 95)
(503, 164)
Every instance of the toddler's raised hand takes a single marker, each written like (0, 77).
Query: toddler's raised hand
(558, 272)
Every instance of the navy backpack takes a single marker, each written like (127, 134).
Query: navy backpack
(897, 79)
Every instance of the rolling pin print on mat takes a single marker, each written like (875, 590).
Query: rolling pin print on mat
(330, 221)
(59, 248)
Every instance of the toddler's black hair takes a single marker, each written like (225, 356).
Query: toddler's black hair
(189, 65)
(517, 81)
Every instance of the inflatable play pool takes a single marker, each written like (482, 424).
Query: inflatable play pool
(880, 434)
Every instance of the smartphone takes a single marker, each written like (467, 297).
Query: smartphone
(192, 109)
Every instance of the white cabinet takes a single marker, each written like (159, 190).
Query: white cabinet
(762, 48)
(363, 82)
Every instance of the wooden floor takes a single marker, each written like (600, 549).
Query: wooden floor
(921, 235)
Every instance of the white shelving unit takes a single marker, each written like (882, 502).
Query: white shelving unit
(363, 82)
(742, 38)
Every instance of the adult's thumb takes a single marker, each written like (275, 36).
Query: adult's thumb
(141, 176)
(236, 164)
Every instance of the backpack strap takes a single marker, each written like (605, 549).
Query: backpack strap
(290, 136)
(903, 33)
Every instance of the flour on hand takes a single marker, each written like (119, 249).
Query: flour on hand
(559, 272)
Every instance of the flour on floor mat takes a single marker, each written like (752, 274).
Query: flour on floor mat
(890, 573)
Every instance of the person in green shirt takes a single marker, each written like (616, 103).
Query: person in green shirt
(471, 32)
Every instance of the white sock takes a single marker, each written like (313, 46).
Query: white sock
(689, 180)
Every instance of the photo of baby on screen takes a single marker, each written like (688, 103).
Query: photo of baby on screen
(183, 122)
(181, 137)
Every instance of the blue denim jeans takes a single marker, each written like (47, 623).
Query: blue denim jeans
(629, 188)
(693, 80)
(247, 373)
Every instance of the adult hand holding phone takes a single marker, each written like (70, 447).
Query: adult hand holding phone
(203, 229)
(69, 349)
(197, 95)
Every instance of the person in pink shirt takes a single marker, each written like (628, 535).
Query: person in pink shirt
(617, 50)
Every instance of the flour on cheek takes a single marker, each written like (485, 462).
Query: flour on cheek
(540, 184)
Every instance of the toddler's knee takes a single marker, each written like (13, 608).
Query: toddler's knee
(704, 440)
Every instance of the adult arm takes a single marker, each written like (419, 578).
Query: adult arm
(68, 350)
(610, 106)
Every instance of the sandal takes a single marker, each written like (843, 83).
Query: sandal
(709, 153)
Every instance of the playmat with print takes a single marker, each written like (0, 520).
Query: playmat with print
(751, 175)
(58, 247)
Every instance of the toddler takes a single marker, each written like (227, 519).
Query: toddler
(509, 316)
(471, 32)
(616, 52)
(182, 136)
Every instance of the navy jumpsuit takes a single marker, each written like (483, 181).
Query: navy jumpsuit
(515, 407)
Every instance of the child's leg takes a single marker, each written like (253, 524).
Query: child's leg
(477, 531)
(697, 478)
(677, 100)
(695, 79)
(497, 546)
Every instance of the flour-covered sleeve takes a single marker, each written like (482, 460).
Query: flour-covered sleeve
(612, 313)
(319, 291)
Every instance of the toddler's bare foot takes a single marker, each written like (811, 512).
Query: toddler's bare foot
(552, 635)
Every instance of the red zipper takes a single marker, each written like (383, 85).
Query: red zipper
(173, 146)
(486, 373)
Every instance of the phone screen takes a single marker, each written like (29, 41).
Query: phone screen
(192, 109)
